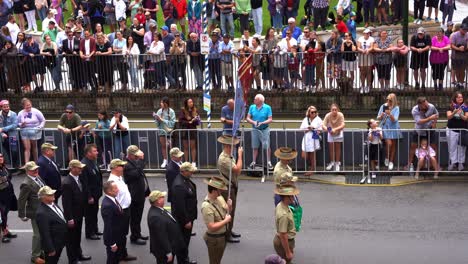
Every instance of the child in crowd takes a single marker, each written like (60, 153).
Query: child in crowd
(293, 67)
(351, 24)
(426, 157)
(140, 15)
(340, 25)
(375, 137)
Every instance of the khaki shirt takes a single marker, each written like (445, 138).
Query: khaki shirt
(285, 221)
(225, 162)
(211, 215)
(280, 168)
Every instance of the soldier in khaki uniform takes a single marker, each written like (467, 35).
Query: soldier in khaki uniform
(285, 155)
(216, 216)
(225, 163)
(285, 229)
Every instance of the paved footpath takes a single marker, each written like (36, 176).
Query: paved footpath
(422, 223)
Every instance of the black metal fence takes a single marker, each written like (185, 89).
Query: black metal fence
(346, 72)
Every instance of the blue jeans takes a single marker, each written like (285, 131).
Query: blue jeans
(121, 144)
(309, 75)
(133, 73)
(278, 21)
(227, 18)
(257, 15)
(42, 14)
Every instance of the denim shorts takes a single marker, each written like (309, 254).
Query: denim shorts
(261, 137)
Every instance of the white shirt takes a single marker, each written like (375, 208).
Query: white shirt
(87, 46)
(14, 30)
(283, 44)
(124, 123)
(45, 22)
(120, 8)
(77, 179)
(123, 197)
(366, 43)
(241, 43)
(61, 36)
(157, 48)
(36, 179)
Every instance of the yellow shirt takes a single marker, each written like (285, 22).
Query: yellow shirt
(280, 168)
(211, 215)
(225, 162)
(284, 220)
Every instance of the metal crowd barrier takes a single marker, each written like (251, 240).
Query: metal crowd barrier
(149, 73)
(200, 146)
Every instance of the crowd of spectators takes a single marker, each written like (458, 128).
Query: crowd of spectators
(140, 52)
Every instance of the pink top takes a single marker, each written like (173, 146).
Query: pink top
(437, 56)
(425, 153)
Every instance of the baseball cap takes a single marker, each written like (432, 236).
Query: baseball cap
(421, 30)
(45, 190)
(176, 152)
(30, 166)
(70, 107)
(116, 163)
(133, 150)
(75, 164)
(367, 31)
(165, 28)
(48, 146)
(187, 166)
(291, 20)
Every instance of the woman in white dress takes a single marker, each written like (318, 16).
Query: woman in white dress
(312, 127)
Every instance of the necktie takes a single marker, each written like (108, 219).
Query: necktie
(169, 214)
(70, 45)
(39, 182)
(59, 212)
(118, 204)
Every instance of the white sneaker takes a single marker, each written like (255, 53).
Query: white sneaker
(386, 162)
(451, 167)
(270, 166)
(374, 176)
(337, 166)
(366, 89)
(390, 166)
(436, 176)
(194, 164)
(363, 180)
(369, 181)
(411, 169)
(252, 165)
(460, 166)
(164, 164)
(330, 166)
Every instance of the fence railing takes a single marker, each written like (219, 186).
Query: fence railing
(351, 153)
(345, 72)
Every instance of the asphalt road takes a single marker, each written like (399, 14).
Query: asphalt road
(422, 223)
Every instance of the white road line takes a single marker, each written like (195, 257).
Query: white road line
(21, 230)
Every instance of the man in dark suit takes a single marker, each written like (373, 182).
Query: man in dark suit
(184, 203)
(137, 183)
(166, 240)
(73, 202)
(112, 215)
(49, 170)
(52, 225)
(87, 51)
(92, 178)
(173, 169)
(28, 202)
(71, 49)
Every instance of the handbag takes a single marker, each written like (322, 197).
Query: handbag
(297, 211)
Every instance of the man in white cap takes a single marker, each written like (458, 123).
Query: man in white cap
(295, 31)
(365, 45)
(73, 202)
(184, 203)
(138, 186)
(124, 199)
(166, 240)
(28, 203)
(420, 45)
(173, 169)
(52, 225)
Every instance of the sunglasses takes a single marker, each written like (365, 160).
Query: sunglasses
(313, 112)
(69, 112)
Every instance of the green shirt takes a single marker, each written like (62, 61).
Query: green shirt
(52, 33)
(71, 123)
(284, 220)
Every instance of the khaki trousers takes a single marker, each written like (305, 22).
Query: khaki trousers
(279, 248)
(234, 190)
(36, 240)
(216, 246)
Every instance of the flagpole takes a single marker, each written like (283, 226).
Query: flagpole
(206, 89)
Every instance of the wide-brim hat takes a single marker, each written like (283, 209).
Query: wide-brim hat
(285, 153)
(216, 182)
(287, 189)
(228, 140)
(287, 178)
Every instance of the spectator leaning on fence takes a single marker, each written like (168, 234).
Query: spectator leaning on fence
(334, 123)
(165, 121)
(383, 59)
(388, 116)
(103, 138)
(459, 42)
(119, 126)
(8, 133)
(260, 116)
(439, 58)
(70, 124)
(425, 117)
(31, 121)
(457, 115)
(400, 61)
(420, 45)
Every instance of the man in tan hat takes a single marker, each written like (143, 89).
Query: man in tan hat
(216, 216)
(124, 199)
(28, 202)
(228, 166)
(166, 240)
(285, 229)
(49, 170)
(184, 202)
(52, 225)
(173, 169)
(73, 201)
(285, 155)
(137, 183)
